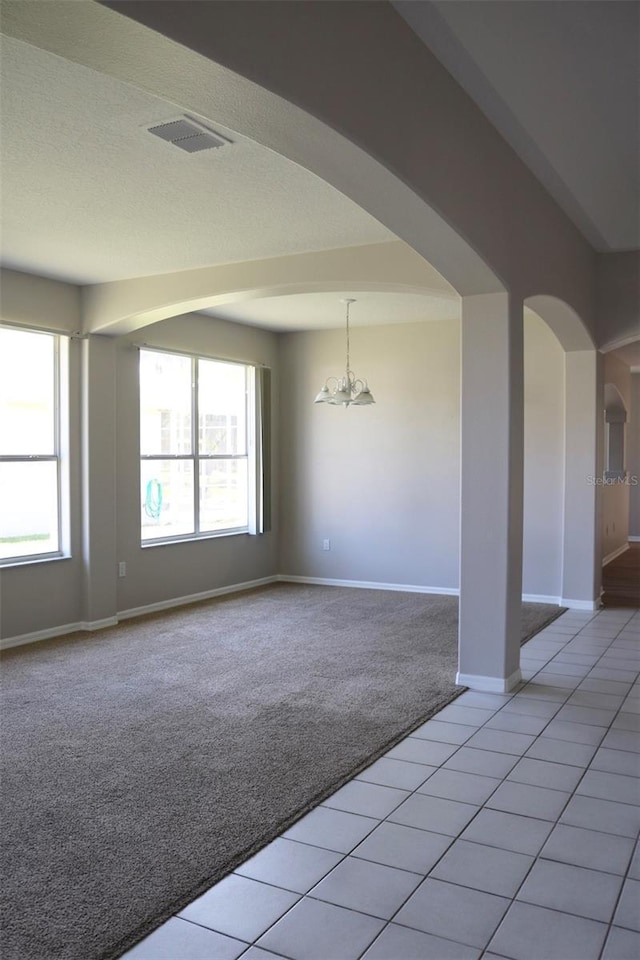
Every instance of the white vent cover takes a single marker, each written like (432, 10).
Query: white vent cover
(188, 135)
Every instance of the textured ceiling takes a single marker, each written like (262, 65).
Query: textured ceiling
(88, 195)
(559, 80)
(323, 311)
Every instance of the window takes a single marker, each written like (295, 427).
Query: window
(30, 436)
(198, 459)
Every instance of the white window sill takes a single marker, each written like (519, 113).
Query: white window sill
(169, 542)
(31, 561)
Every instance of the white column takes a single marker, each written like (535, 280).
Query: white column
(584, 425)
(98, 481)
(491, 492)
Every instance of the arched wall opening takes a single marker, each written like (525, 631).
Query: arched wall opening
(566, 496)
(614, 485)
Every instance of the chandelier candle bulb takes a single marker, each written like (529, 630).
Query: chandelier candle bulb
(349, 389)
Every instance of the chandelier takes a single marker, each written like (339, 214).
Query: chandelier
(346, 390)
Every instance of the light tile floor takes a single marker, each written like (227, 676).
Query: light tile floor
(505, 827)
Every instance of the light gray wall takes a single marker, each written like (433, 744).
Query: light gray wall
(615, 496)
(633, 451)
(382, 482)
(42, 596)
(38, 596)
(544, 411)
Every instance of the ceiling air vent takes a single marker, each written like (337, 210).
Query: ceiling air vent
(188, 135)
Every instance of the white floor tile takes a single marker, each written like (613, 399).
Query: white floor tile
(239, 907)
(179, 938)
(422, 751)
(620, 819)
(628, 912)
(396, 773)
(622, 945)
(368, 799)
(441, 908)
(528, 801)
(561, 751)
(535, 933)
(293, 866)
(455, 785)
(331, 829)
(499, 741)
(407, 848)
(314, 930)
(434, 814)
(482, 762)
(588, 848)
(610, 786)
(483, 868)
(508, 831)
(571, 889)
(401, 943)
(444, 732)
(371, 888)
(616, 761)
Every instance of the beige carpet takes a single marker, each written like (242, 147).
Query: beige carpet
(143, 763)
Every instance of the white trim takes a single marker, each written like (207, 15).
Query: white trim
(193, 598)
(616, 553)
(620, 342)
(59, 631)
(580, 604)
(405, 588)
(634, 539)
(369, 585)
(489, 684)
(541, 598)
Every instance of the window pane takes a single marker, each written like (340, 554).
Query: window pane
(166, 498)
(222, 407)
(165, 403)
(27, 394)
(28, 508)
(224, 501)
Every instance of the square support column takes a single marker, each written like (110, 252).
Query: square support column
(584, 424)
(491, 492)
(98, 481)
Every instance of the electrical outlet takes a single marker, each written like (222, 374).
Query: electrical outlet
(326, 544)
(122, 569)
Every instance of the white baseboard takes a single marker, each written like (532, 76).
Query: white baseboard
(369, 585)
(405, 588)
(193, 598)
(541, 598)
(59, 631)
(580, 604)
(249, 585)
(489, 684)
(616, 553)
(634, 539)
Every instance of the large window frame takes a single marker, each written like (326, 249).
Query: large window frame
(59, 454)
(197, 457)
